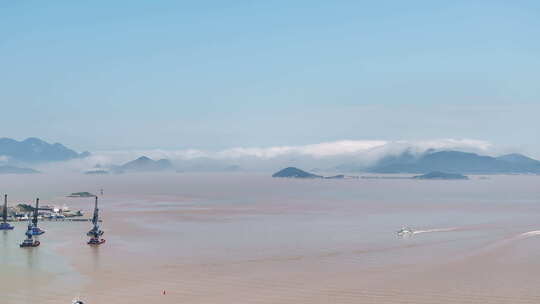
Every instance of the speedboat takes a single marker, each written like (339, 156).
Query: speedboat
(405, 231)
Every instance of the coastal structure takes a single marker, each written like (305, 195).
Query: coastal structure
(29, 241)
(95, 233)
(33, 228)
(5, 225)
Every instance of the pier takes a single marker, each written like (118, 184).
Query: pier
(56, 220)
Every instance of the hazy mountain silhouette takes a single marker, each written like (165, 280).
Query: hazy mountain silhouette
(34, 150)
(16, 170)
(519, 159)
(406, 157)
(456, 162)
(144, 164)
(441, 175)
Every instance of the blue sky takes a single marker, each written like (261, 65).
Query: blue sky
(217, 74)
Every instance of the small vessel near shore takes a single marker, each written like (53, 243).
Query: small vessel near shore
(95, 233)
(29, 241)
(95, 241)
(32, 230)
(405, 231)
(4, 225)
(77, 301)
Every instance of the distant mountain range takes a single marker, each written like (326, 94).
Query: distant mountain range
(144, 164)
(16, 170)
(96, 172)
(17, 156)
(456, 162)
(35, 150)
(441, 176)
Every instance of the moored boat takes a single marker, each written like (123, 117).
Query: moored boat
(29, 243)
(95, 231)
(96, 241)
(6, 226)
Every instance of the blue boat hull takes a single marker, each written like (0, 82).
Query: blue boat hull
(37, 232)
(95, 241)
(6, 226)
(27, 244)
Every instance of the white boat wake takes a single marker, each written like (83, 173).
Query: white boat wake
(522, 236)
(435, 230)
(510, 240)
(530, 234)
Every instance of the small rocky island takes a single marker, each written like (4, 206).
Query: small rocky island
(81, 194)
(96, 172)
(292, 172)
(441, 176)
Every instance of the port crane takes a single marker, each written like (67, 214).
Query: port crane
(32, 230)
(95, 233)
(5, 225)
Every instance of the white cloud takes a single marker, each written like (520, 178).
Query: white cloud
(344, 148)
(326, 149)
(321, 155)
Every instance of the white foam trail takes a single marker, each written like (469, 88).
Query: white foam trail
(435, 230)
(530, 233)
(507, 241)
(496, 245)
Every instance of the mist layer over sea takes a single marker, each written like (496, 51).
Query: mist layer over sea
(248, 238)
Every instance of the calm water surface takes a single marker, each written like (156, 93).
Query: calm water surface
(248, 238)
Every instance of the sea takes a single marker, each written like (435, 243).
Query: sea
(217, 238)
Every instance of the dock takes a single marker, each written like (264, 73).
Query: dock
(55, 220)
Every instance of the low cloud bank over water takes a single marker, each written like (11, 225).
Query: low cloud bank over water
(324, 156)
